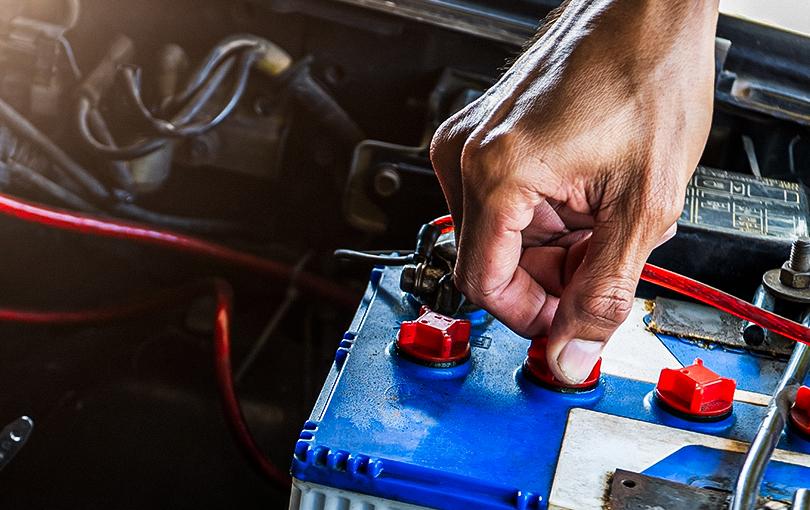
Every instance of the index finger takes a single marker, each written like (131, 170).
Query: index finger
(487, 269)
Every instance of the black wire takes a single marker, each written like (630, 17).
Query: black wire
(23, 128)
(23, 177)
(118, 171)
(380, 260)
(204, 94)
(128, 152)
(178, 127)
(190, 225)
(225, 48)
(174, 128)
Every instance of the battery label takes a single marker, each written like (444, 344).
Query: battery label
(734, 203)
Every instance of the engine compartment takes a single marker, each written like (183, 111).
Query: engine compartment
(126, 412)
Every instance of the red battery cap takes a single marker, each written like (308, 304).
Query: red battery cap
(800, 413)
(435, 339)
(695, 393)
(537, 371)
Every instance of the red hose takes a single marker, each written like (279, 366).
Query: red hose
(726, 302)
(306, 281)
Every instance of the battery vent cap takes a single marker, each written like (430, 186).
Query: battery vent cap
(695, 393)
(435, 340)
(535, 368)
(800, 413)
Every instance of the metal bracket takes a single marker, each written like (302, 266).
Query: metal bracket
(634, 491)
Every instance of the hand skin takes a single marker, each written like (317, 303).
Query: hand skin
(565, 175)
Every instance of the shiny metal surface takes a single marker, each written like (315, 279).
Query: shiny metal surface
(801, 501)
(13, 437)
(746, 490)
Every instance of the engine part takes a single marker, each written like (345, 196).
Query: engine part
(748, 483)
(732, 226)
(13, 438)
(386, 179)
(38, 64)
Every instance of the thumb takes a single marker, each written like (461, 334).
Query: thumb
(599, 297)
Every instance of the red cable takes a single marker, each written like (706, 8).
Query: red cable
(726, 302)
(230, 404)
(132, 231)
(222, 356)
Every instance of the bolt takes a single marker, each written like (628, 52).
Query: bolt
(387, 181)
(795, 272)
(800, 255)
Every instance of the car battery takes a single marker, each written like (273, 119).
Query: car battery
(396, 428)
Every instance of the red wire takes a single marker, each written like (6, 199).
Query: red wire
(132, 231)
(230, 403)
(726, 302)
(227, 394)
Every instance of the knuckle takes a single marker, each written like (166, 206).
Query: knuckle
(607, 307)
(489, 162)
(470, 288)
(473, 286)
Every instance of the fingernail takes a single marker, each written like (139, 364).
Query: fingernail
(577, 359)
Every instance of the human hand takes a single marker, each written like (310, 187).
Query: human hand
(565, 175)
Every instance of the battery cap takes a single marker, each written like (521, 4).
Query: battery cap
(800, 413)
(535, 368)
(695, 393)
(435, 340)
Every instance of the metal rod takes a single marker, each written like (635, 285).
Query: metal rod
(801, 500)
(754, 334)
(746, 490)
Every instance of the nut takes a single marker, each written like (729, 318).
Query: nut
(407, 280)
(421, 280)
(792, 278)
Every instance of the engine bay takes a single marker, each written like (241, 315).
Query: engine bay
(152, 151)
